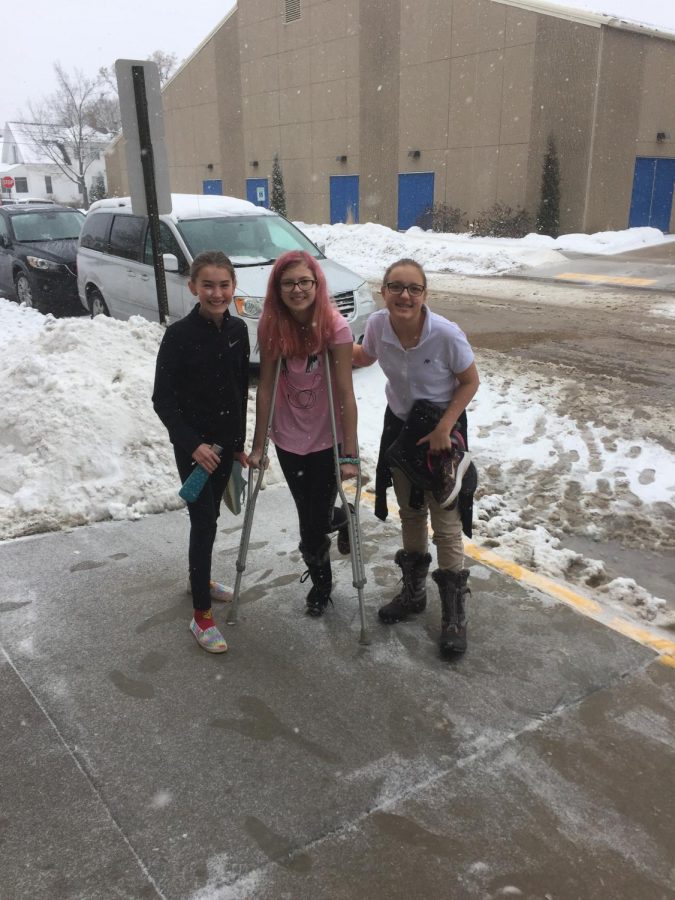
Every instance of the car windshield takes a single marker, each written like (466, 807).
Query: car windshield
(247, 240)
(48, 225)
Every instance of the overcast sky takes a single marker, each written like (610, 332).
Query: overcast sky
(83, 35)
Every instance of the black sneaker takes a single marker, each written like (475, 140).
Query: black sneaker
(448, 470)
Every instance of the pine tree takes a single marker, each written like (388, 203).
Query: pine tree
(548, 215)
(97, 191)
(278, 200)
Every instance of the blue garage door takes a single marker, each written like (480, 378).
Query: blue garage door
(257, 192)
(213, 186)
(415, 196)
(344, 199)
(652, 200)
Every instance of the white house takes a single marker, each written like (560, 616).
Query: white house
(33, 169)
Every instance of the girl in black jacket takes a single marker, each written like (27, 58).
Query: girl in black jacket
(200, 394)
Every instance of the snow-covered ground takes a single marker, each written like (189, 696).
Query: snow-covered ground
(370, 248)
(79, 441)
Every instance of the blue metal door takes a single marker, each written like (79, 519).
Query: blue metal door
(662, 202)
(344, 199)
(415, 196)
(257, 192)
(212, 186)
(652, 199)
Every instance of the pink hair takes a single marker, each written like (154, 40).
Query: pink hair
(279, 334)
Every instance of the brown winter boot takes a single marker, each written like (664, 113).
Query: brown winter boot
(454, 593)
(412, 598)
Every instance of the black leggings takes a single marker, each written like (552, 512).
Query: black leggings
(204, 514)
(311, 480)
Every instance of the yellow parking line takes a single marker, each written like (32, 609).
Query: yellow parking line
(625, 280)
(520, 573)
(642, 634)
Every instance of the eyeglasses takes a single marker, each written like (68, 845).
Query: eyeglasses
(397, 287)
(305, 284)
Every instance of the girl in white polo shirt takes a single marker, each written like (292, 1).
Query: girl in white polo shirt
(298, 324)
(424, 357)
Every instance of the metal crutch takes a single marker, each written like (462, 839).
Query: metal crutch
(251, 498)
(353, 525)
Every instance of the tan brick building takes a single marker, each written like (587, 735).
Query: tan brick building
(377, 107)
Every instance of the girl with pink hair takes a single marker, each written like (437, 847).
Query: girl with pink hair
(298, 324)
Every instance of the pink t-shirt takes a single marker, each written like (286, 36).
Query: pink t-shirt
(301, 414)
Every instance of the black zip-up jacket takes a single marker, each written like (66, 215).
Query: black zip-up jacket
(201, 382)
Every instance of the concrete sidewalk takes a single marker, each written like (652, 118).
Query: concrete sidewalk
(301, 764)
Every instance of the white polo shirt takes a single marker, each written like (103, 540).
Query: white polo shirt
(425, 372)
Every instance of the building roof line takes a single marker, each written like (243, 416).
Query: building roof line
(199, 47)
(585, 17)
(119, 136)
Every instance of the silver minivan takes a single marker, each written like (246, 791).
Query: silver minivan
(115, 273)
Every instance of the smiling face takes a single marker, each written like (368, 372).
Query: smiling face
(214, 288)
(298, 299)
(405, 309)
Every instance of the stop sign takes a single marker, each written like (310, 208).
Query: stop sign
(8, 181)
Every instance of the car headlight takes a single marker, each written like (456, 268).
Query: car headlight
(44, 264)
(364, 296)
(250, 307)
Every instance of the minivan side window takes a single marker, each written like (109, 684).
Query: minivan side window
(126, 236)
(168, 244)
(95, 232)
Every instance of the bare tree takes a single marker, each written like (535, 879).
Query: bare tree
(166, 63)
(105, 114)
(67, 126)
(60, 126)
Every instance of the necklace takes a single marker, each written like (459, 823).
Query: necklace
(299, 396)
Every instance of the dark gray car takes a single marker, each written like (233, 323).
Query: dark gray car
(38, 252)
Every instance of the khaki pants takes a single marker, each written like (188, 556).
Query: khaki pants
(446, 526)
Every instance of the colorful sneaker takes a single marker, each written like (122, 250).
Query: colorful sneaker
(217, 590)
(209, 639)
(448, 470)
(220, 592)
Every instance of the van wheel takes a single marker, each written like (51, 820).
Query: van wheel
(24, 292)
(97, 305)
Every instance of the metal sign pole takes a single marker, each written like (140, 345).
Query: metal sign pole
(148, 165)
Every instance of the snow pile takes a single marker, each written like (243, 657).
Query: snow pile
(602, 242)
(370, 248)
(80, 443)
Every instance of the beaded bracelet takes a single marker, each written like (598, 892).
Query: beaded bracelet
(349, 461)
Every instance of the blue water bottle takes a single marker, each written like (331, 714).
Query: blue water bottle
(193, 484)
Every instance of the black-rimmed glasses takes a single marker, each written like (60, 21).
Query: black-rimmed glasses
(305, 284)
(397, 287)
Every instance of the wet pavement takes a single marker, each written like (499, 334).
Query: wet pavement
(301, 764)
(649, 268)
